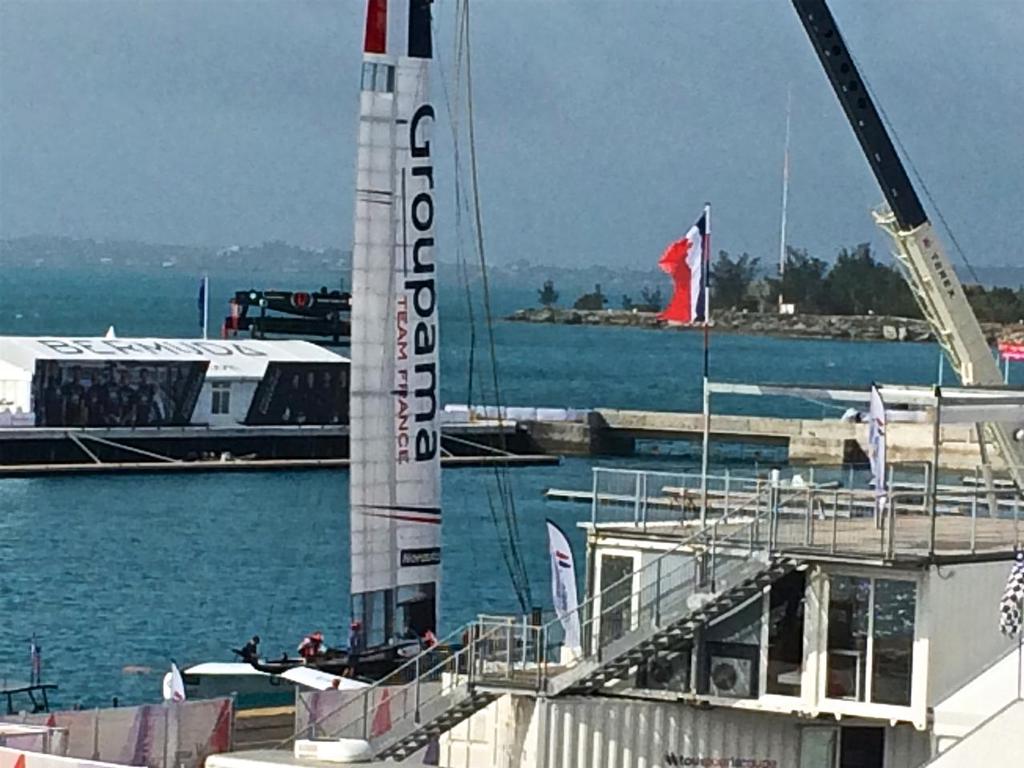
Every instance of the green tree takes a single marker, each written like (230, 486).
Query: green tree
(803, 282)
(731, 278)
(595, 300)
(548, 296)
(858, 285)
(996, 305)
(627, 302)
(651, 301)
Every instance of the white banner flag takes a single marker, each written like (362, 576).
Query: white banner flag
(174, 686)
(563, 585)
(876, 446)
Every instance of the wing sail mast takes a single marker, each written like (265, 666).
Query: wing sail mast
(395, 478)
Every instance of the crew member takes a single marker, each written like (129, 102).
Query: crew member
(310, 646)
(356, 642)
(251, 650)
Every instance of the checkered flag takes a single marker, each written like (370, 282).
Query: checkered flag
(1013, 599)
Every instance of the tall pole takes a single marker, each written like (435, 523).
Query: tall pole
(785, 193)
(706, 436)
(206, 305)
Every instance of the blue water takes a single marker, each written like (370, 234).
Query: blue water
(117, 571)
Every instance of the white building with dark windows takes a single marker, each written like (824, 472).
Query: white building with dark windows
(137, 383)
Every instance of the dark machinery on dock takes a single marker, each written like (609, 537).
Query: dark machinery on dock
(322, 316)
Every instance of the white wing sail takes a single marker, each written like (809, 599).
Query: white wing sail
(395, 439)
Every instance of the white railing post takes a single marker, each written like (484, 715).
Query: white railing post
(593, 496)
(643, 502)
(416, 705)
(727, 489)
(636, 497)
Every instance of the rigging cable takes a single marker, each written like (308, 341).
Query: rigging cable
(501, 473)
(504, 532)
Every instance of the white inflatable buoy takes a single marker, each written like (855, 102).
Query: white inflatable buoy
(334, 750)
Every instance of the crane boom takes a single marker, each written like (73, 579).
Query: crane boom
(919, 250)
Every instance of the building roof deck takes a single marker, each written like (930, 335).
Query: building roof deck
(957, 538)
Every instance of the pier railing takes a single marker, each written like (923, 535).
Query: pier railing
(505, 653)
(642, 497)
(755, 537)
(912, 518)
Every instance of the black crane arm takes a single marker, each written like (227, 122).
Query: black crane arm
(860, 111)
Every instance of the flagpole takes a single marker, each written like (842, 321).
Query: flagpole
(206, 305)
(785, 194)
(706, 436)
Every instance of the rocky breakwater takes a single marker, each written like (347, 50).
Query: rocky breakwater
(857, 327)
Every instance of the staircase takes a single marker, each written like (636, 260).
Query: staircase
(666, 639)
(700, 579)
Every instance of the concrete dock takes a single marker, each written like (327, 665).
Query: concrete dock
(827, 442)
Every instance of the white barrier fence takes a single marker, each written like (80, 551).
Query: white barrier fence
(16, 758)
(154, 735)
(464, 414)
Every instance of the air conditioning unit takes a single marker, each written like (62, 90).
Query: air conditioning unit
(730, 677)
(661, 674)
(333, 750)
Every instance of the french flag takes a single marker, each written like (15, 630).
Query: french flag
(686, 262)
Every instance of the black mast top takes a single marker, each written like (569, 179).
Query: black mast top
(860, 111)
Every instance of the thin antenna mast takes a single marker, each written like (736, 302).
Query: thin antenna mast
(785, 192)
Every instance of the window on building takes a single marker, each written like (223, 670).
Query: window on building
(221, 398)
(786, 635)
(870, 639)
(842, 747)
(616, 596)
(891, 661)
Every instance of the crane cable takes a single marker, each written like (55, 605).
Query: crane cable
(913, 169)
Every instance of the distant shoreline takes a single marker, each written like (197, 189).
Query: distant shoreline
(840, 327)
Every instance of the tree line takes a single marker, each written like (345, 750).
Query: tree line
(855, 283)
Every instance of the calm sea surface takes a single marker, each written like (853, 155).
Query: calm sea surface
(117, 571)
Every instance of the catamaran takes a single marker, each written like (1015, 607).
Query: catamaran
(395, 439)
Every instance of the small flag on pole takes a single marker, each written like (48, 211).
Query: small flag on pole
(686, 261)
(876, 446)
(1013, 600)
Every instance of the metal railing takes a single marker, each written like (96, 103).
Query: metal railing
(913, 518)
(509, 653)
(641, 497)
(762, 520)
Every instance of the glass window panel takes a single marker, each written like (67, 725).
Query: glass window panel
(848, 618)
(786, 635)
(819, 747)
(893, 646)
(616, 597)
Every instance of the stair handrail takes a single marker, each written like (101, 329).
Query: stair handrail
(700, 536)
(481, 632)
(412, 663)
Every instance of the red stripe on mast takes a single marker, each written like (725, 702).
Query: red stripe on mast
(376, 27)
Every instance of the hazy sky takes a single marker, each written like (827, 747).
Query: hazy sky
(602, 126)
